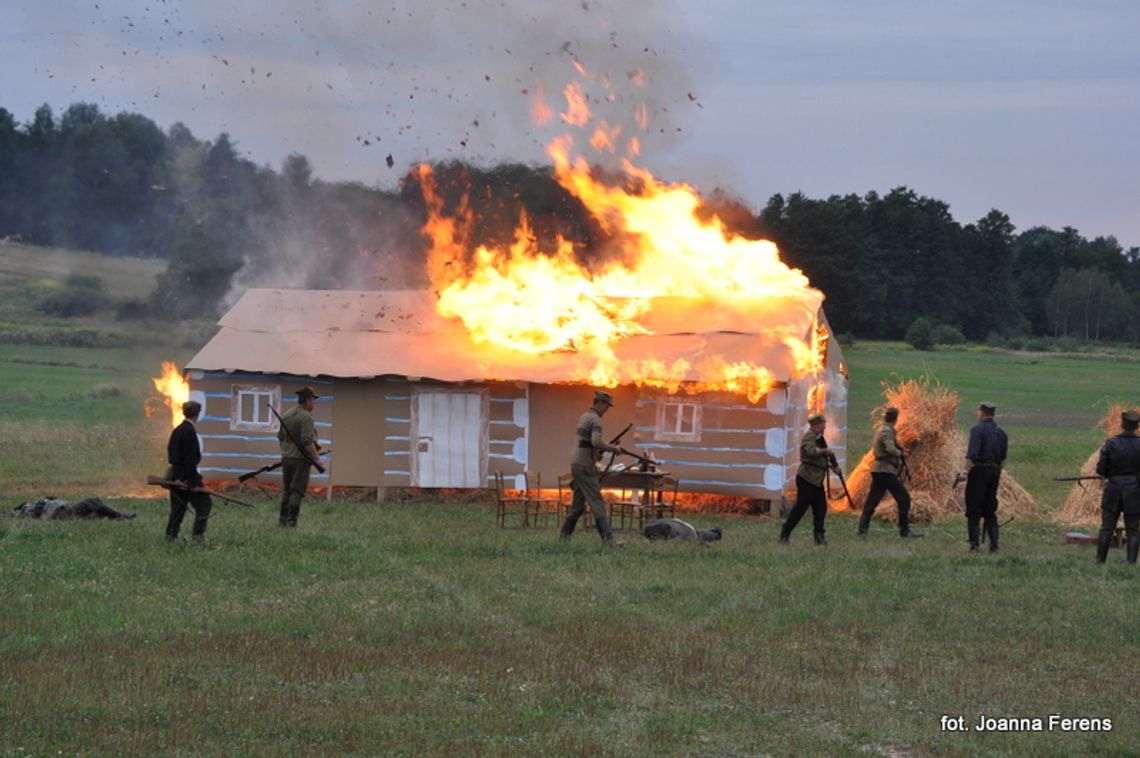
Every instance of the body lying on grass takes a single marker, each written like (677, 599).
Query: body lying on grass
(54, 508)
(675, 528)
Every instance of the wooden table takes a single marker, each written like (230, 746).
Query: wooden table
(647, 482)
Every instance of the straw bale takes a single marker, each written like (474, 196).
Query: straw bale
(1082, 505)
(936, 451)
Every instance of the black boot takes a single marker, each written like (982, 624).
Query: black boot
(973, 532)
(864, 524)
(820, 539)
(1133, 548)
(992, 531)
(607, 535)
(1102, 544)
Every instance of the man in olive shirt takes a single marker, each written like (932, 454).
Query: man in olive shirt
(297, 424)
(815, 460)
(589, 445)
(885, 476)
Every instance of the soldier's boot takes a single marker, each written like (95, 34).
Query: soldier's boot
(864, 523)
(784, 535)
(567, 529)
(607, 535)
(283, 518)
(1102, 545)
(294, 513)
(820, 539)
(1133, 548)
(973, 531)
(992, 531)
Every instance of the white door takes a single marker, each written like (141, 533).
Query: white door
(449, 438)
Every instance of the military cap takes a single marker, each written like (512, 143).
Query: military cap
(601, 396)
(816, 418)
(890, 414)
(988, 408)
(1130, 417)
(305, 393)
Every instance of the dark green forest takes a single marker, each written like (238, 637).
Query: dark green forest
(889, 264)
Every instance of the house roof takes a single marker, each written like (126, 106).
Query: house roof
(344, 333)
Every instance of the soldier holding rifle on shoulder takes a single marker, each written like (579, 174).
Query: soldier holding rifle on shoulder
(985, 455)
(299, 450)
(589, 445)
(815, 460)
(1119, 464)
(889, 463)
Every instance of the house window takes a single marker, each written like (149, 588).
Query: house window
(678, 421)
(249, 411)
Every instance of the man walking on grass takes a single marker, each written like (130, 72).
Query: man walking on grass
(1119, 464)
(589, 445)
(985, 455)
(889, 463)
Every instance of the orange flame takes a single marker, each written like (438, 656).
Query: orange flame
(666, 245)
(174, 389)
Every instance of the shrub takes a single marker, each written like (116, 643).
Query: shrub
(71, 301)
(85, 282)
(947, 334)
(920, 335)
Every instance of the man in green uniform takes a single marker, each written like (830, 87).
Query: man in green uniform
(589, 445)
(297, 424)
(815, 460)
(885, 476)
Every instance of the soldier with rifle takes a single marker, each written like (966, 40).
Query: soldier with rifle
(184, 453)
(589, 445)
(985, 454)
(815, 460)
(299, 451)
(1119, 464)
(886, 473)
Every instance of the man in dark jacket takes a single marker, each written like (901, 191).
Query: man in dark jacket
(183, 453)
(985, 455)
(1119, 464)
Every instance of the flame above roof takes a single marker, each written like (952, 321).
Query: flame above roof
(343, 333)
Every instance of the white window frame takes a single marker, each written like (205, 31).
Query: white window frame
(264, 421)
(670, 414)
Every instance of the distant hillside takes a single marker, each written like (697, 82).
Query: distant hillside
(126, 278)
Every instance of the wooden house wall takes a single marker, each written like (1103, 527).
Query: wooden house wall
(554, 413)
(740, 449)
(227, 453)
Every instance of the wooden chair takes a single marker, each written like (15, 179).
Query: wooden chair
(507, 502)
(631, 506)
(542, 508)
(627, 507)
(664, 500)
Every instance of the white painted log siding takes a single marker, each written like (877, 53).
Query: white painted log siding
(226, 454)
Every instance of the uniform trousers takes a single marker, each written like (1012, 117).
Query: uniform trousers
(294, 483)
(807, 495)
(882, 483)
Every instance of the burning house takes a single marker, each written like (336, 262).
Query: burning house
(715, 350)
(410, 398)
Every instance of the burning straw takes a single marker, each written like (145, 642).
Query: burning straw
(1082, 506)
(936, 451)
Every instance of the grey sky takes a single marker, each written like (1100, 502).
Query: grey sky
(1027, 107)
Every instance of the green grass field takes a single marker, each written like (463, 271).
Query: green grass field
(419, 628)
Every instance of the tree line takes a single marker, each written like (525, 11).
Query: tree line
(120, 184)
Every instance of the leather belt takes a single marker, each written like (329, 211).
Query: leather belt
(586, 444)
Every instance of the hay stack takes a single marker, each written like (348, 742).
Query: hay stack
(936, 451)
(1082, 506)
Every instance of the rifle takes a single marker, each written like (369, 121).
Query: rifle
(999, 527)
(265, 469)
(958, 479)
(648, 464)
(1079, 479)
(173, 485)
(617, 440)
(839, 472)
(904, 467)
(293, 438)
